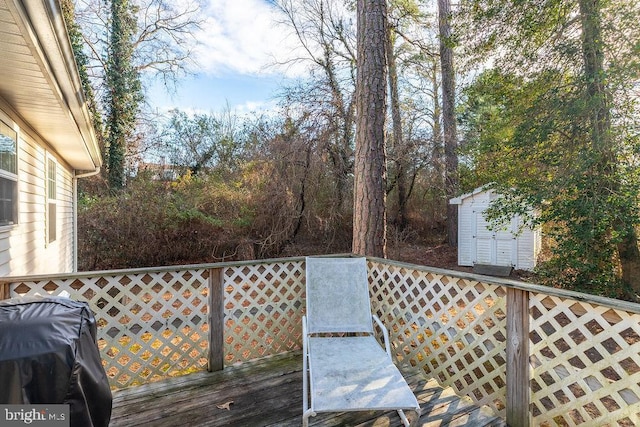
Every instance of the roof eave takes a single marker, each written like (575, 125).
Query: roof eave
(48, 34)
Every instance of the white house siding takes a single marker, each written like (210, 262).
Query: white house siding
(23, 246)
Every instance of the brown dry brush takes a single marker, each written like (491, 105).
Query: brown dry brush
(271, 208)
(283, 199)
(296, 202)
(268, 209)
(153, 223)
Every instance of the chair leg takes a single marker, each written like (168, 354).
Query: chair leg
(306, 412)
(404, 419)
(305, 417)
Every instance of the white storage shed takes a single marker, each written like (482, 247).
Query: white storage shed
(478, 244)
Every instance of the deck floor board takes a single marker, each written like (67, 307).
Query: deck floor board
(269, 393)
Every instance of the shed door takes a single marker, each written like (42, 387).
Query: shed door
(494, 247)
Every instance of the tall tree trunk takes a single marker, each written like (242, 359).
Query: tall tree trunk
(398, 143)
(437, 154)
(449, 118)
(597, 96)
(369, 216)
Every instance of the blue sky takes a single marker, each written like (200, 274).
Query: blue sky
(212, 93)
(238, 45)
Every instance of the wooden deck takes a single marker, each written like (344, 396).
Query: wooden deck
(269, 393)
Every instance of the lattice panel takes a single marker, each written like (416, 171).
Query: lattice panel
(586, 364)
(452, 328)
(150, 325)
(263, 310)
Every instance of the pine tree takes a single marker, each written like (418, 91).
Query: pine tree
(369, 216)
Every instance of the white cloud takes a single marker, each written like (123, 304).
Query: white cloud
(235, 60)
(241, 36)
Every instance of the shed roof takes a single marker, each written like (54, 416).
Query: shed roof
(39, 79)
(458, 200)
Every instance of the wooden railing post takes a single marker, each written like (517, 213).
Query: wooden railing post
(216, 319)
(518, 381)
(5, 291)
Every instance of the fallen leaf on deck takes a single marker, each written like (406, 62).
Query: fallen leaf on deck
(226, 406)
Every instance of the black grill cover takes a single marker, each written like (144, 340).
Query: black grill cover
(49, 354)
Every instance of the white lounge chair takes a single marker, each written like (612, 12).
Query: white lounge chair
(350, 372)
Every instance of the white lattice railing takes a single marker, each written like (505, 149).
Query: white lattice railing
(263, 307)
(567, 359)
(150, 323)
(537, 356)
(586, 363)
(453, 329)
(156, 323)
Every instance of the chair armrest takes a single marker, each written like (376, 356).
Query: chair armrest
(304, 326)
(385, 334)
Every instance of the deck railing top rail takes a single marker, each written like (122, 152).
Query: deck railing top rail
(574, 359)
(499, 281)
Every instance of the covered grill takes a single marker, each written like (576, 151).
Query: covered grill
(49, 354)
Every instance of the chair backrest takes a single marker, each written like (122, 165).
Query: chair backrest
(338, 295)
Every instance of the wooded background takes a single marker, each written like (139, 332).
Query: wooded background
(536, 99)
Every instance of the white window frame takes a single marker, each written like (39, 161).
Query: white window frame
(7, 124)
(51, 199)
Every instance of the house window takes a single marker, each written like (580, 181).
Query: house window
(51, 200)
(8, 175)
